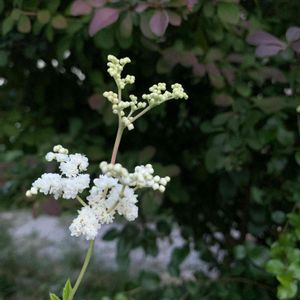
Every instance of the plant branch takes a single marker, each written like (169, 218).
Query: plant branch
(117, 142)
(142, 113)
(80, 200)
(91, 247)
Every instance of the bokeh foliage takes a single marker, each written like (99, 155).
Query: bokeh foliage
(232, 150)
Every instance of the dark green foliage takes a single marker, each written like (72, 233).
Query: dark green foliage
(232, 150)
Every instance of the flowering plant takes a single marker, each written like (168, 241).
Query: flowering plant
(114, 191)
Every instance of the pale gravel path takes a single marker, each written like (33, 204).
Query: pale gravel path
(53, 234)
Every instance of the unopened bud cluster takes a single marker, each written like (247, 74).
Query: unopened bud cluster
(158, 94)
(115, 68)
(142, 177)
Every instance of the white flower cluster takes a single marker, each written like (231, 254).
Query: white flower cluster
(158, 94)
(70, 182)
(114, 193)
(107, 197)
(85, 224)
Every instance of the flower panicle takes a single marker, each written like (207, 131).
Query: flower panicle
(129, 111)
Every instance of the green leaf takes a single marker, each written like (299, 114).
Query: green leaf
(243, 89)
(3, 58)
(278, 216)
(104, 39)
(16, 14)
(121, 296)
(7, 25)
(297, 157)
(53, 5)
(240, 252)
(212, 159)
(229, 13)
(54, 297)
(275, 266)
(150, 280)
(287, 291)
(59, 22)
(285, 137)
(24, 24)
(67, 290)
(178, 256)
(43, 16)
(111, 234)
(294, 268)
(1, 6)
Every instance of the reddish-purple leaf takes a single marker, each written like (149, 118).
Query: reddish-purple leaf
(80, 8)
(267, 50)
(97, 3)
(263, 38)
(215, 75)
(296, 46)
(141, 7)
(103, 18)
(274, 74)
(96, 101)
(235, 58)
(188, 59)
(172, 56)
(145, 28)
(51, 207)
(223, 100)
(229, 74)
(293, 34)
(159, 22)
(190, 4)
(213, 70)
(174, 18)
(199, 69)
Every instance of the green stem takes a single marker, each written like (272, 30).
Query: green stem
(81, 201)
(141, 113)
(83, 269)
(117, 143)
(91, 247)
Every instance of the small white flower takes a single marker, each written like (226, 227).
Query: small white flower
(49, 183)
(71, 187)
(86, 224)
(74, 164)
(70, 182)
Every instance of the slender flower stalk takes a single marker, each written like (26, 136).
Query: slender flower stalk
(92, 242)
(83, 269)
(117, 143)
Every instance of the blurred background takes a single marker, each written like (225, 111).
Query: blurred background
(228, 226)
